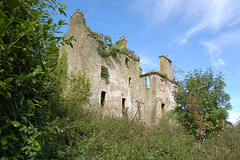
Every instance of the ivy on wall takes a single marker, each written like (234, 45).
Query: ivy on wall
(126, 62)
(106, 48)
(104, 73)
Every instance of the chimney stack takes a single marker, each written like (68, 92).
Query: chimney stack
(124, 43)
(76, 19)
(166, 66)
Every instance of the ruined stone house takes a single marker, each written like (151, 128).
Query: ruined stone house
(118, 85)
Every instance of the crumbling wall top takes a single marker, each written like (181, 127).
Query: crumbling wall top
(122, 42)
(77, 18)
(162, 56)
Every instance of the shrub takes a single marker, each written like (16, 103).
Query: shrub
(202, 102)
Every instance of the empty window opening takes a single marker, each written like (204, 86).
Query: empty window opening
(147, 82)
(123, 103)
(130, 81)
(103, 98)
(126, 62)
(124, 109)
(162, 106)
(104, 73)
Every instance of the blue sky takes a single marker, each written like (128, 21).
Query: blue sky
(192, 33)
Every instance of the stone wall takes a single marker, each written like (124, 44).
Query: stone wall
(158, 97)
(124, 93)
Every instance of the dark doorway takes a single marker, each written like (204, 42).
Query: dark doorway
(123, 103)
(124, 109)
(103, 98)
(162, 106)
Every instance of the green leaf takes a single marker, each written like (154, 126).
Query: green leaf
(58, 32)
(3, 19)
(2, 22)
(22, 22)
(62, 12)
(36, 143)
(18, 20)
(4, 140)
(70, 43)
(15, 123)
(4, 158)
(24, 26)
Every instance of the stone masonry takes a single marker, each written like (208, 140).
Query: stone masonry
(127, 92)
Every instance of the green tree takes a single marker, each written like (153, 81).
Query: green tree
(202, 102)
(28, 54)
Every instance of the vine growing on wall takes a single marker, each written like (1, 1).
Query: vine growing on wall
(104, 73)
(106, 48)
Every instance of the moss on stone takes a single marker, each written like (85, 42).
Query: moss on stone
(170, 61)
(109, 49)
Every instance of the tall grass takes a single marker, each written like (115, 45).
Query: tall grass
(97, 137)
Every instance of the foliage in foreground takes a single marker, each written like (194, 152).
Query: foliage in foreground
(96, 137)
(202, 102)
(28, 54)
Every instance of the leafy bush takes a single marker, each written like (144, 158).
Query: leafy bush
(203, 104)
(97, 137)
(28, 53)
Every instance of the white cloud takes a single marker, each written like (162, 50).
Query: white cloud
(219, 62)
(156, 11)
(234, 22)
(195, 16)
(213, 16)
(214, 53)
(233, 117)
(223, 45)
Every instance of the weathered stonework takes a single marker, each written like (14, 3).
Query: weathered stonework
(125, 92)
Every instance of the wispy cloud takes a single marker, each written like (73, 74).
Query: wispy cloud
(214, 53)
(224, 43)
(148, 64)
(156, 11)
(195, 16)
(234, 22)
(214, 16)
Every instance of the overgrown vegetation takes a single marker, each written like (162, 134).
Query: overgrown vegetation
(104, 73)
(28, 54)
(107, 48)
(45, 112)
(96, 137)
(202, 102)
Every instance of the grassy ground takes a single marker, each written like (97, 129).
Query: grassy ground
(95, 137)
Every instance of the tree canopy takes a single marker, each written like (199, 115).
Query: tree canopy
(202, 102)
